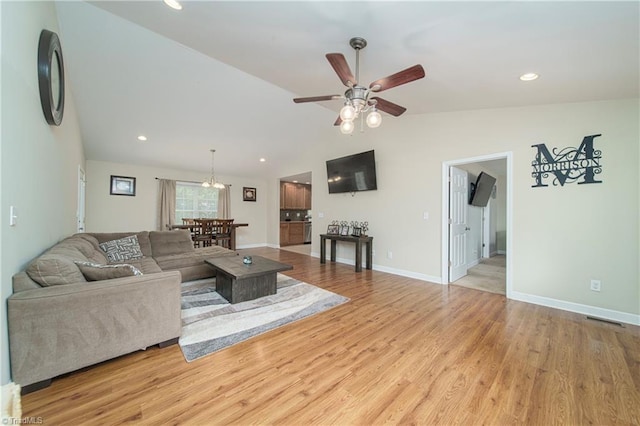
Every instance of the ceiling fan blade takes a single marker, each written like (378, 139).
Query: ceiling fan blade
(338, 121)
(340, 66)
(388, 107)
(317, 98)
(405, 76)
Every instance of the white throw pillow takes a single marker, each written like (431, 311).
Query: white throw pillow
(126, 248)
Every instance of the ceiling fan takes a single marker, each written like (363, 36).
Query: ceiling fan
(357, 98)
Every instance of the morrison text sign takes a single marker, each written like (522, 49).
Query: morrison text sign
(567, 165)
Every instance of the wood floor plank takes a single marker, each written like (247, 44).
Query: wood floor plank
(401, 351)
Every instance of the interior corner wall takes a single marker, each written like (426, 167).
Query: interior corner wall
(39, 162)
(114, 213)
(563, 236)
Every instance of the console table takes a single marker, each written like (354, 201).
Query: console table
(368, 241)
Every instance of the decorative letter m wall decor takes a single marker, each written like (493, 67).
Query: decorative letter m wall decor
(567, 165)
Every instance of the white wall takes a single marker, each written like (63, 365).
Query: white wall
(562, 236)
(39, 162)
(111, 213)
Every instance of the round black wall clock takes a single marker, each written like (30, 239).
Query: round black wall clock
(51, 77)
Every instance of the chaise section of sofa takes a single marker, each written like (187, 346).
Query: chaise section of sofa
(57, 329)
(61, 318)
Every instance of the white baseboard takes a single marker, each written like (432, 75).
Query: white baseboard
(11, 404)
(473, 263)
(501, 252)
(578, 308)
(593, 311)
(248, 246)
(394, 271)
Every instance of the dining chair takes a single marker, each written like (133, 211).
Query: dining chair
(203, 232)
(222, 232)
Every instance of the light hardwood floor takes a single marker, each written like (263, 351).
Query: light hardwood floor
(402, 351)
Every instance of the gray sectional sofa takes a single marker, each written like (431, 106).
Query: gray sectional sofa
(83, 301)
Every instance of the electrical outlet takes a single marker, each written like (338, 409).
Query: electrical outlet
(595, 285)
(373, 253)
(389, 254)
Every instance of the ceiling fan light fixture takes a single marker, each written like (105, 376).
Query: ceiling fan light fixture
(347, 113)
(346, 127)
(374, 119)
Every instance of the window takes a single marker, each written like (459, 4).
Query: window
(195, 201)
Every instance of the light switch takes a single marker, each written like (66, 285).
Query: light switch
(425, 215)
(13, 216)
(320, 214)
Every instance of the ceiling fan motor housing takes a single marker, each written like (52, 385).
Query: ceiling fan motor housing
(357, 95)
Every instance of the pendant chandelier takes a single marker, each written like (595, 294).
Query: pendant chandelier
(212, 182)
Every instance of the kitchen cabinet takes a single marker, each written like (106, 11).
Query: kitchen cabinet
(296, 233)
(284, 234)
(295, 196)
(291, 233)
(306, 189)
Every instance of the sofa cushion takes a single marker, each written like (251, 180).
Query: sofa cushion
(55, 269)
(143, 239)
(126, 248)
(147, 265)
(193, 258)
(166, 243)
(96, 255)
(97, 272)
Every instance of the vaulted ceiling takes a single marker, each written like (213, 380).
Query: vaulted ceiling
(223, 74)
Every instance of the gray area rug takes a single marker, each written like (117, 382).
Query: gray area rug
(210, 323)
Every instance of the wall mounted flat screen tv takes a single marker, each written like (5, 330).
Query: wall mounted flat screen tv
(352, 173)
(482, 190)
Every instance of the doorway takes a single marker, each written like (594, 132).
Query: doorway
(485, 268)
(295, 213)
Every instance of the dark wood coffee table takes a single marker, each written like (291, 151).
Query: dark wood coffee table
(238, 282)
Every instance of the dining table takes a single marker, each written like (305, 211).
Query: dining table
(234, 226)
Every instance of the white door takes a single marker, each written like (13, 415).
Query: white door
(486, 231)
(458, 197)
(82, 183)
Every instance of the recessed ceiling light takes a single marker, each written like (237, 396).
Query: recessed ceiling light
(173, 4)
(530, 76)
(142, 138)
(262, 160)
(295, 181)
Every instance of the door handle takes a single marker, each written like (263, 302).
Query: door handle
(466, 228)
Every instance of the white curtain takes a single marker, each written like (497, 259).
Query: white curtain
(167, 207)
(224, 202)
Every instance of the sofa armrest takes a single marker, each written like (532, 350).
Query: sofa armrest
(58, 329)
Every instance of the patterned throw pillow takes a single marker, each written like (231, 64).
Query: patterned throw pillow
(97, 272)
(126, 248)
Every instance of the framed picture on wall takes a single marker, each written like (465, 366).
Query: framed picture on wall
(123, 185)
(248, 194)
